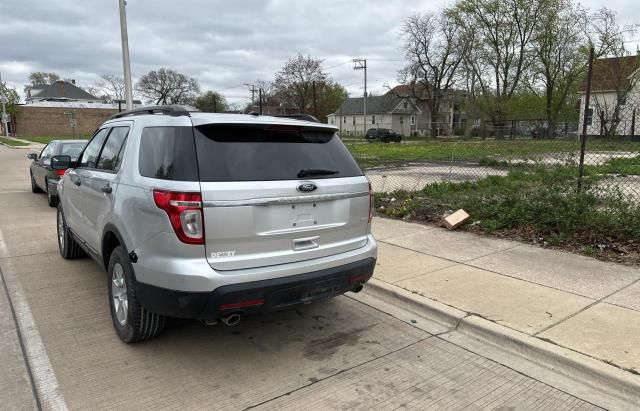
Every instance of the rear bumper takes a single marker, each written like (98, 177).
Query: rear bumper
(52, 185)
(261, 296)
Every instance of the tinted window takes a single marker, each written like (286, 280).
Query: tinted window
(168, 153)
(47, 151)
(90, 153)
(71, 149)
(255, 153)
(109, 156)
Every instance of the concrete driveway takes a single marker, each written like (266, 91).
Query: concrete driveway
(341, 353)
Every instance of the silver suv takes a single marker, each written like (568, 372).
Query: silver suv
(215, 216)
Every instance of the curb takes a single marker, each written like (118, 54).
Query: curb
(587, 371)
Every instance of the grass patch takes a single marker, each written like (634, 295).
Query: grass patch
(543, 203)
(12, 142)
(498, 151)
(621, 166)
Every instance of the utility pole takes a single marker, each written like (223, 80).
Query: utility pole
(3, 98)
(215, 110)
(252, 89)
(260, 93)
(125, 55)
(315, 101)
(361, 64)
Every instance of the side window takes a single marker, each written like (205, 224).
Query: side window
(109, 158)
(47, 151)
(168, 153)
(90, 154)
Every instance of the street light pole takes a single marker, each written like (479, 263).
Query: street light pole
(125, 55)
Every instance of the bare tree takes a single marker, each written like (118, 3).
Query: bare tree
(559, 56)
(167, 86)
(607, 37)
(295, 81)
(501, 32)
(113, 86)
(430, 43)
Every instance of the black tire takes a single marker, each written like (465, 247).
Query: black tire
(139, 323)
(69, 248)
(51, 199)
(34, 186)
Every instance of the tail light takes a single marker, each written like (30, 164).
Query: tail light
(60, 172)
(185, 213)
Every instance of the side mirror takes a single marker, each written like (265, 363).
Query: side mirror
(61, 162)
(32, 156)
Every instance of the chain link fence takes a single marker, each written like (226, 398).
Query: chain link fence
(612, 161)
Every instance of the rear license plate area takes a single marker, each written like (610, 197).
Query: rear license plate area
(307, 293)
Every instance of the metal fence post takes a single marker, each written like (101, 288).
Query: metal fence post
(583, 142)
(633, 123)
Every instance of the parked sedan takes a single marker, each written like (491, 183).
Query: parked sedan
(43, 177)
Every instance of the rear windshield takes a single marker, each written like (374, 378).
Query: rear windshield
(168, 153)
(256, 153)
(71, 149)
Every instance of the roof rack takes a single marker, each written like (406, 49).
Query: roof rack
(169, 110)
(304, 117)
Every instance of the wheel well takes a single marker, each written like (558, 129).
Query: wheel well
(109, 243)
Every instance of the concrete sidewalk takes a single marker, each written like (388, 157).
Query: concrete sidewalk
(575, 302)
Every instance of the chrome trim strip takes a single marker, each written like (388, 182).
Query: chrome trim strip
(284, 200)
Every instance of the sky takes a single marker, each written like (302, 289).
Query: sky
(223, 44)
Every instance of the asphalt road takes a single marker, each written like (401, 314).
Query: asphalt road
(339, 354)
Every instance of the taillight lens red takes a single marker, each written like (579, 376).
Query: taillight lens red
(60, 172)
(185, 213)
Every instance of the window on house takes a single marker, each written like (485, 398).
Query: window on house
(332, 120)
(373, 119)
(344, 120)
(401, 120)
(413, 120)
(353, 120)
(405, 105)
(590, 116)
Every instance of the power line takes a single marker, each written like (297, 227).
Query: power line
(340, 64)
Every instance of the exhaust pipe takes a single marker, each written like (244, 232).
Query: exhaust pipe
(358, 288)
(231, 319)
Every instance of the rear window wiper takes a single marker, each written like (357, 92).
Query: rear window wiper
(316, 172)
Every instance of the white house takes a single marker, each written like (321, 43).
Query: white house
(614, 107)
(387, 111)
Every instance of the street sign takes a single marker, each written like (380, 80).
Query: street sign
(4, 118)
(3, 99)
(73, 123)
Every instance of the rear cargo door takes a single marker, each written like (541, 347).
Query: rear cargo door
(278, 194)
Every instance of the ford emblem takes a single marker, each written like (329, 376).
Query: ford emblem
(307, 187)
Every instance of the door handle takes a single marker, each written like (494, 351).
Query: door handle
(106, 189)
(305, 243)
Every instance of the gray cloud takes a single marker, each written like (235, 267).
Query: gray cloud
(223, 44)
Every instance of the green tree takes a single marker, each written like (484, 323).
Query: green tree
(40, 78)
(11, 96)
(212, 102)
